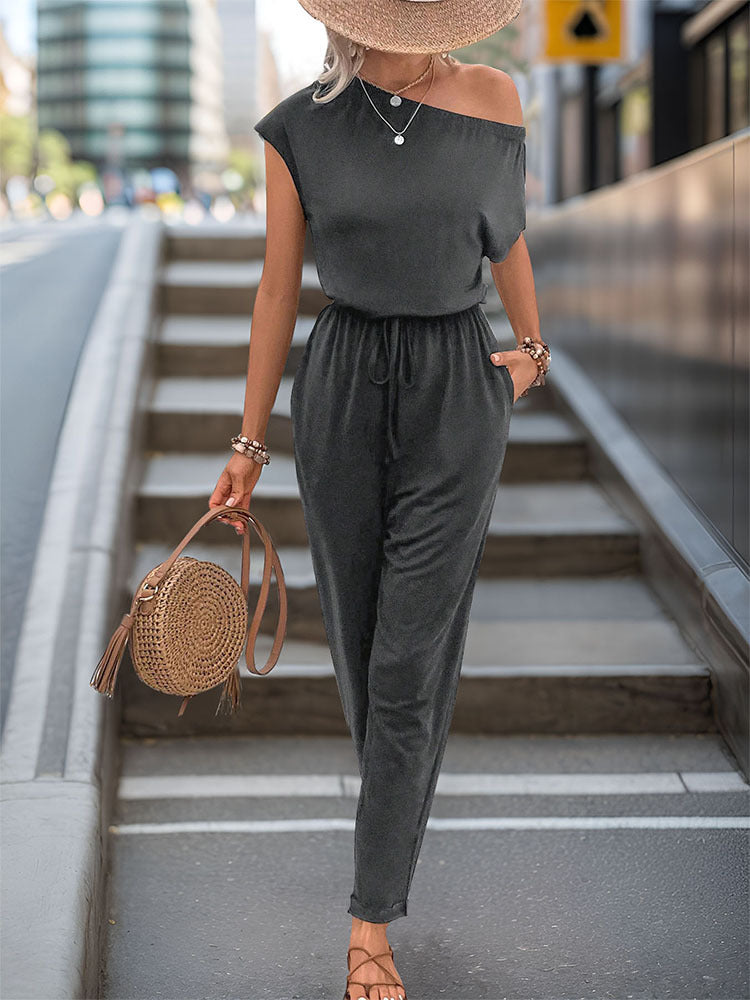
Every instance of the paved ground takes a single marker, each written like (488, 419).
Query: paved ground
(53, 275)
(554, 868)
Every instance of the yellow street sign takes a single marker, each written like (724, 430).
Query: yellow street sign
(586, 31)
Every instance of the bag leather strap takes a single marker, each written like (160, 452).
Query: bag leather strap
(270, 561)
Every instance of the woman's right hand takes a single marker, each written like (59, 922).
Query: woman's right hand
(235, 487)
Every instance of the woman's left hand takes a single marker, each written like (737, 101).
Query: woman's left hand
(522, 367)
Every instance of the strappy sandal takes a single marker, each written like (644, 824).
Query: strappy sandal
(370, 958)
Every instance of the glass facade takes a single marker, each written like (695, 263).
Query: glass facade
(98, 82)
(135, 67)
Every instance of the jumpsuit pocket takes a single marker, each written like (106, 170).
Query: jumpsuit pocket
(491, 346)
(297, 379)
(508, 379)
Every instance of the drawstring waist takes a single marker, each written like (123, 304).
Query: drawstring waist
(395, 343)
(391, 359)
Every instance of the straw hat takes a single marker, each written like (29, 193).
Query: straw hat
(414, 25)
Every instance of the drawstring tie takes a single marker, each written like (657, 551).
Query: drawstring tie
(399, 368)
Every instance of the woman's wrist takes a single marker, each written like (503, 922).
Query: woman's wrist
(539, 353)
(252, 448)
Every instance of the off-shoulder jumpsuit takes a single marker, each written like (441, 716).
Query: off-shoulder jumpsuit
(400, 424)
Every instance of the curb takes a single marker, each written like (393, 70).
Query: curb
(60, 736)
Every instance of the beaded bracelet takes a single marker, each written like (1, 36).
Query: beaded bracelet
(251, 448)
(541, 354)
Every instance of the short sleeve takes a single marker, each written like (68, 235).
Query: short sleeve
(505, 219)
(273, 128)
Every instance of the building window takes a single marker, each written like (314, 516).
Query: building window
(714, 125)
(635, 130)
(738, 33)
(720, 79)
(608, 159)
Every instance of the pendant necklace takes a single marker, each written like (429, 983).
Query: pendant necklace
(395, 100)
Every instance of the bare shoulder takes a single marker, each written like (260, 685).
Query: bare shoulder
(490, 92)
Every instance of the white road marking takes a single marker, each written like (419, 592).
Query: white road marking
(453, 823)
(347, 785)
(713, 781)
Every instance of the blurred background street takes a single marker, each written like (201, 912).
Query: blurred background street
(589, 836)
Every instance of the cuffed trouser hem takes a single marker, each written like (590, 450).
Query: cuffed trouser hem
(381, 916)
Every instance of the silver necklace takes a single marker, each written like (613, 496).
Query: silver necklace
(398, 138)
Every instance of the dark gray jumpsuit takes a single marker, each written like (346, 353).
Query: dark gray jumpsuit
(400, 423)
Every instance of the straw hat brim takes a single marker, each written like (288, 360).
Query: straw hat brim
(414, 25)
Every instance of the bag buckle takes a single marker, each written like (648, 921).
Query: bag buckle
(147, 586)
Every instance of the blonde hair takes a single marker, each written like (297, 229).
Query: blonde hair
(342, 62)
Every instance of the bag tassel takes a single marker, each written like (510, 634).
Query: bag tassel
(105, 675)
(230, 693)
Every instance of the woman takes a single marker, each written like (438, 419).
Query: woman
(409, 167)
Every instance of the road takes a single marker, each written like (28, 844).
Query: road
(52, 276)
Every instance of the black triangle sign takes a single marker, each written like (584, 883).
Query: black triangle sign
(587, 23)
(584, 26)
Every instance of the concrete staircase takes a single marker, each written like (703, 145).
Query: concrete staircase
(605, 657)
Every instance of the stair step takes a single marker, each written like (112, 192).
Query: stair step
(175, 490)
(559, 529)
(290, 777)
(543, 445)
(220, 287)
(506, 601)
(244, 241)
(624, 598)
(300, 697)
(246, 757)
(204, 347)
(295, 561)
(192, 331)
(198, 396)
(622, 624)
(208, 412)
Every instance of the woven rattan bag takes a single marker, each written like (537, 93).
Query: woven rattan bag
(188, 622)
